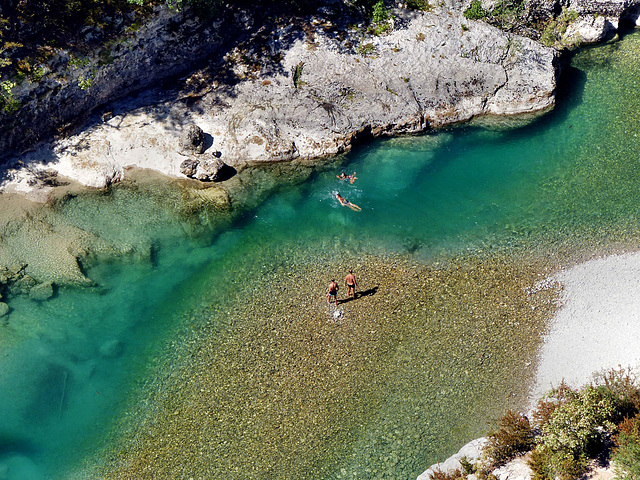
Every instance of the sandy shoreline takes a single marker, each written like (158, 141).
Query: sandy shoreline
(598, 325)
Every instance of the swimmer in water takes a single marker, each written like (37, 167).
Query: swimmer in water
(343, 176)
(346, 203)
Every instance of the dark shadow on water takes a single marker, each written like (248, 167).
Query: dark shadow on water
(12, 445)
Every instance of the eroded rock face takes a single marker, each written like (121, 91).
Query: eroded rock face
(427, 73)
(323, 93)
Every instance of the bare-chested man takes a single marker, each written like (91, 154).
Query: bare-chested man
(332, 292)
(351, 284)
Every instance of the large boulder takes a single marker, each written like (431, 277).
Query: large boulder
(209, 169)
(591, 29)
(192, 140)
(189, 167)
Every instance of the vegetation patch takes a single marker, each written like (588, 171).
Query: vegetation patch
(422, 5)
(571, 428)
(296, 73)
(475, 11)
(8, 103)
(381, 18)
(367, 50)
(552, 35)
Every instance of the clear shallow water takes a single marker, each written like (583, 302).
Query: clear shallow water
(567, 181)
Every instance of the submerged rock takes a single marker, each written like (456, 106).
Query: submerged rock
(4, 309)
(111, 349)
(42, 292)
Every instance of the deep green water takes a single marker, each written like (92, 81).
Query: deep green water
(567, 182)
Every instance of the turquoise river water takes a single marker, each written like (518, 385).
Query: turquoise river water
(564, 182)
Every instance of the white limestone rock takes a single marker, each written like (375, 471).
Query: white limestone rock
(472, 451)
(516, 469)
(591, 29)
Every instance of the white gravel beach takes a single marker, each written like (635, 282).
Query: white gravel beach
(598, 325)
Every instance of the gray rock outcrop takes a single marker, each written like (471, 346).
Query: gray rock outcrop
(168, 44)
(207, 169)
(429, 73)
(433, 69)
(192, 140)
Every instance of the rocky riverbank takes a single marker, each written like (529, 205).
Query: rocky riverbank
(268, 86)
(306, 90)
(285, 89)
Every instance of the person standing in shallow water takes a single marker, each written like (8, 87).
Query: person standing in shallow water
(351, 284)
(332, 292)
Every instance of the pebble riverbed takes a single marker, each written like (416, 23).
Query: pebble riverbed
(271, 382)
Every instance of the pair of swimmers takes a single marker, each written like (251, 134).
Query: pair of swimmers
(343, 176)
(343, 201)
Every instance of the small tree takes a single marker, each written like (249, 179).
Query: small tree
(514, 436)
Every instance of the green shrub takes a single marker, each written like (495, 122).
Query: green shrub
(552, 400)
(556, 28)
(296, 73)
(381, 18)
(8, 103)
(627, 458)
(626, 455)
(550, 465)
(454, 475)
(574, 433)
(475, 11)
(367, 49)
(85, 83)
(508, 13)
(380, 13)
(514, 436)
(422, 5)
(624, 386)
